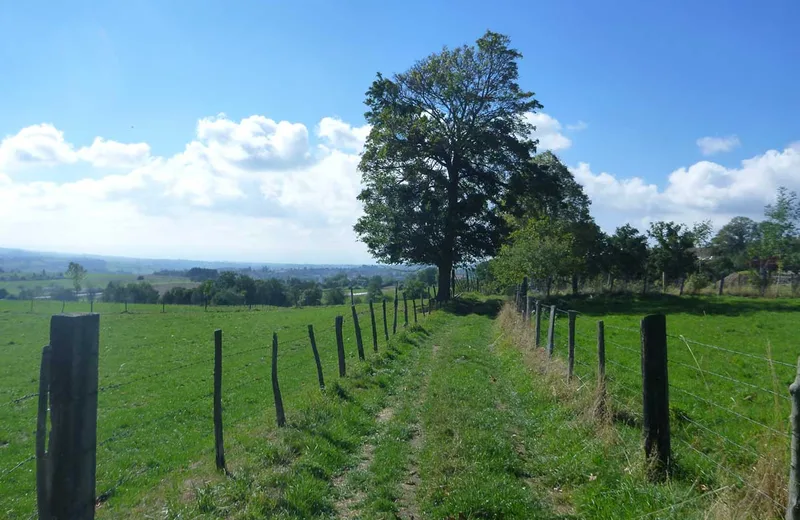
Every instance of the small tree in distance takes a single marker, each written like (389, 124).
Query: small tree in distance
(77, 273)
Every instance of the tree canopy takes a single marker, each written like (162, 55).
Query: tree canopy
(448, 137)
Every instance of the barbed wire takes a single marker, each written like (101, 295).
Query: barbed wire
(15, 467)
(620, 365)
(730, 411)
(18, 400)
(623, 347)
(732, 351)
(626, 329)
(731, 472)
(721, 436)
(731, 379)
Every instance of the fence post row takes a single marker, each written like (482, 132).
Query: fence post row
(276, 390)
(359, 340)
(537, 331)
(65, 475)
(316, 356)
(218, 441)
(374, 328)
(793, 508)
(551, 331)
(385, 322)
(340, 346)
(655, 394)
(571, 337)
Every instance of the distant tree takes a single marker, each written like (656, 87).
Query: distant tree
(427, 276)
(627, 251)
(542, 249)
(674, 250)
(446, 137)
(77, 273)
(375, 289)
(414, 289)
(777, 246)
(3, 293)
(311, 295)
(732, 242)
(334, 296)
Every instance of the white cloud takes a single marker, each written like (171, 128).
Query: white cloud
(112, 154)
(703, 190)
(548, 131)
(36, 145)
(250, 189)
(342, 135)
(577, 127)
(712, 145)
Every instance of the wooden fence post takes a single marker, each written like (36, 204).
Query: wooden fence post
(683, 283)
(721, 286)
(359, 340)
(523, 293)
(394, 321)
(537, 331)
(526, 318)
(276, 390)
(793, 508)
(551, 331)
(340, 346)
(663, 282)
(655, 393)
(385, 322)
(571, 336)
(316, 356)
(601, 365)
(218, 442)
(414, 304)
(374, 327)
(163, 306)
(405, 310)
(352, 298)
(72, 458)
(43, 464)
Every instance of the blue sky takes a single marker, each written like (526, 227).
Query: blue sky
(628, 89)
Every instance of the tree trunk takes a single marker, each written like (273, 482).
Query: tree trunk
(574, 284)
(549, 286)
(445, 269)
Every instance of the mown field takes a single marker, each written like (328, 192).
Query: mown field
(156, 369)
(452, 419)
(99, 281)
(731, 361)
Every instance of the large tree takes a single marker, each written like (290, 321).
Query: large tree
(447, 137)
(77, 273)
(628, 253)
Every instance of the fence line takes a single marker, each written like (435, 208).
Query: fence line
(731, 351)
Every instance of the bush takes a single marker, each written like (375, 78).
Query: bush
(63, 294)
(227, 297)
(334, 296)
(697, 282)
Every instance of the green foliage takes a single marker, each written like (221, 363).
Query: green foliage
(414, 289)
(446, 137)
(77, 273)
(542, 249)
(333, 296)
(674, 250)
(375, 289)
(428, 276)
(627, 249)
(140, 292)
(697, 282)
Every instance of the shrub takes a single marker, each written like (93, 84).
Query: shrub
(334, 296)
(697, 282)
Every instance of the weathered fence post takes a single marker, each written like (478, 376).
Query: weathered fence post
(126, 305)
(526, 318)
(405, 310)
(163, 306)
(551, 331)
(316, 356)
(655, 393)
(537, 331)
(352, 298)
(43, 464)
(276, 390)
(721, 286)
(523, 294)
(394, 321)
(414, 304)
(63, 304)
(359, 340)
(683, 283)
(340, 346)
(571, 335)
(72, 458)
(385, 322)
(663, 282)
(601, 365)
(218, 442)
(793, 508)
(374, 327)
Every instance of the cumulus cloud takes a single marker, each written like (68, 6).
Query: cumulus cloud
(342, 135)
(548, 132)
(577, 127)
(112, 154)
(703, 190)
(713, 145)
(36, 145)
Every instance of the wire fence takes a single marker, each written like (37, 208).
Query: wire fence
(728, 412)
(151, 421)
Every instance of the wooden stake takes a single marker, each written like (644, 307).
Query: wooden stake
(374, 327)
(276, 390)
(655, 394)
(316, 357)
(218, 441)
(359, 340)
(340, 346)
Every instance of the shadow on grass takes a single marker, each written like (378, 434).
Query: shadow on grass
(471, 305)
(599, 305)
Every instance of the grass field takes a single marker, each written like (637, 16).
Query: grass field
(99, 281)
(456, 418)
